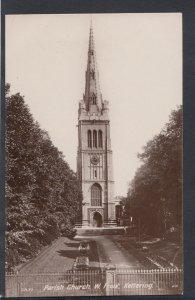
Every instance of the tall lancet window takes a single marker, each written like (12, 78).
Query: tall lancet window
(100, 139)
(93, 98)
(89, 136)
(95, 139)
(96, 195)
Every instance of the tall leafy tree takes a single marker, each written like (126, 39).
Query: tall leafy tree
(155, 193)
(42, 195)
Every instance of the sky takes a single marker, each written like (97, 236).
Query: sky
(139, 58)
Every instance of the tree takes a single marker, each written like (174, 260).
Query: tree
(42, 192)
(155, 193)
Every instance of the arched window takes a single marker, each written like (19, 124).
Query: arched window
(100, 139)
(93, 98)
(96, 195)
(95, 139)
(89, 138)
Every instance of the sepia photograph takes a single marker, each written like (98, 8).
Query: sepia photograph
(93, 154)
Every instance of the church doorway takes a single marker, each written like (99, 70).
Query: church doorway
(97, 219)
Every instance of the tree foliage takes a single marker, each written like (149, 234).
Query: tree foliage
(42, 195)
(155, 193)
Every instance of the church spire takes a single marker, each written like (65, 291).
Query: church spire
(92, 96)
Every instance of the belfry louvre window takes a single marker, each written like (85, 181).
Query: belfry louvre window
(89, 136)
(93, 98)
(95, 139)
(100, 139)
(96, 195)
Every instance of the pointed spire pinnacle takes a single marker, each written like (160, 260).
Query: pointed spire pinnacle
(91, 41)
(92, 97)
(91, 23)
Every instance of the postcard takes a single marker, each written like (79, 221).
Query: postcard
(93, 180)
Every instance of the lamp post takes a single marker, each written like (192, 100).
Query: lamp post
(164, 216)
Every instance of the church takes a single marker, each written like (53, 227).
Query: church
(94, 155)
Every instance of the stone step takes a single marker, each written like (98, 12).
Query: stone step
(100, 231)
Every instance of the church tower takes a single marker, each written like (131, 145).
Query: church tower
(94, 157)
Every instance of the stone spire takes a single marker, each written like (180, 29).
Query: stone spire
(92, 96)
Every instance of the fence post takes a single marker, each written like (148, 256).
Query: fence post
(110, 271)
(17, 286)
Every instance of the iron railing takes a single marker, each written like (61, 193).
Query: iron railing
(148, 282)
(96, 282)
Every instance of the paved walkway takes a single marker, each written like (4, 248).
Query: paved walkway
(111, 252)
(116, 253)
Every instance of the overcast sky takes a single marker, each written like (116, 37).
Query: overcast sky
(139, 57)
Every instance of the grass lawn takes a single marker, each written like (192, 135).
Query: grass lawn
(153, 252)
(59, 257)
